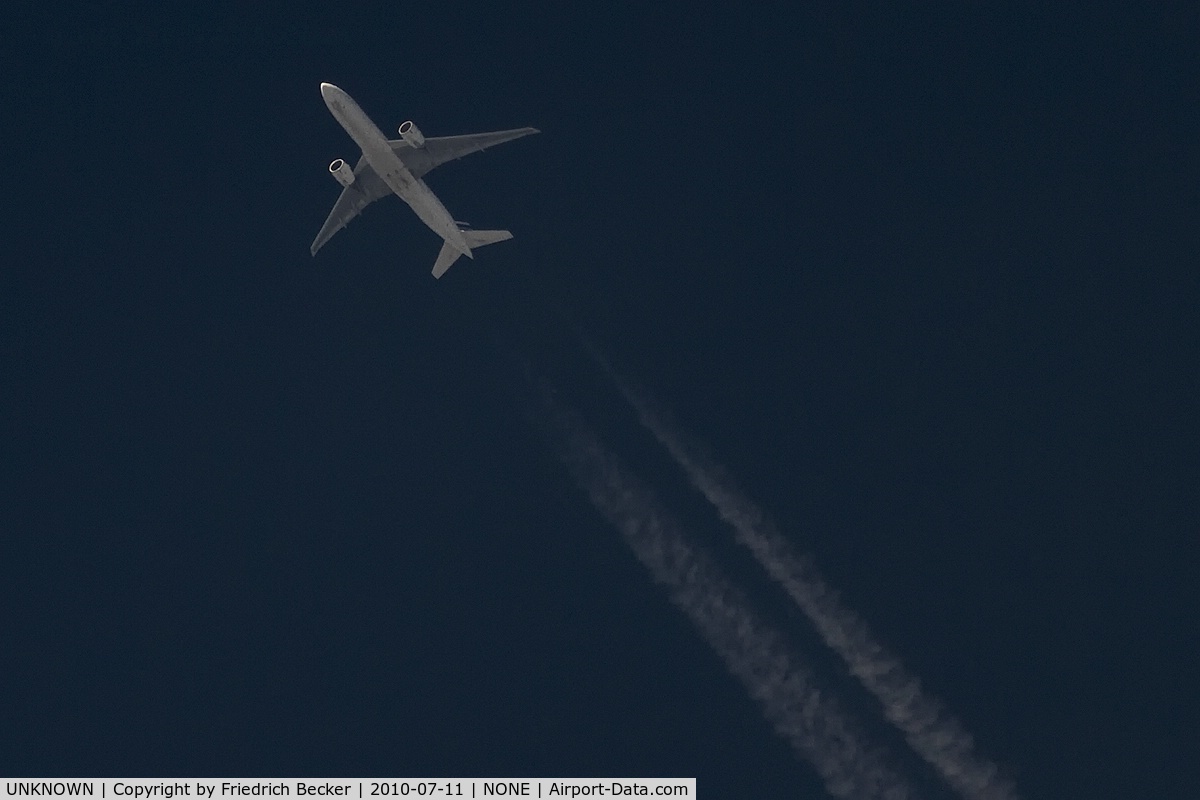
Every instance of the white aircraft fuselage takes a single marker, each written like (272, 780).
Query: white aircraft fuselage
(378, 153)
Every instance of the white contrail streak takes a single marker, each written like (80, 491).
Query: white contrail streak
(812, 722)
(931, 731)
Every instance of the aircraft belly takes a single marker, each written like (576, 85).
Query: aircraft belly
(431, 211)
(424, 203)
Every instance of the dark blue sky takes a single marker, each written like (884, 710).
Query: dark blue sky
(925, 281)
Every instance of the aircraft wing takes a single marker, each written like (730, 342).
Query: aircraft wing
(440, 149)
(366, 189)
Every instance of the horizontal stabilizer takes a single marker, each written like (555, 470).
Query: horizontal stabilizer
(449, 254)
(446, 257)
(480, 238)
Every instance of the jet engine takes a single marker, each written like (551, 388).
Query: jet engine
(341, 172)
(412, 134)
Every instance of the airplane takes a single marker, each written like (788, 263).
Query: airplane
(396, 166)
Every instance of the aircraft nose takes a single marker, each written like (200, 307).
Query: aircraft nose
(327, 89)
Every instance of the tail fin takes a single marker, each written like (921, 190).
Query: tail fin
(450, 254)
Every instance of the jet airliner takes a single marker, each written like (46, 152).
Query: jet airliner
(396, 166)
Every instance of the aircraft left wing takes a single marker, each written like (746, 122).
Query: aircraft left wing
(437, 150)
(366, 189)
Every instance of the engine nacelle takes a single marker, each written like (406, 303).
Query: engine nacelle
(412, 134)
(341, 172)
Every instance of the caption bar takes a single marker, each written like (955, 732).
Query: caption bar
(229, 788)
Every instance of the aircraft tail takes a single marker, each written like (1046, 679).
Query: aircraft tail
(450, 253)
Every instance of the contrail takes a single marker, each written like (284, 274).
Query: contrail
(931, 731)
(812, 722)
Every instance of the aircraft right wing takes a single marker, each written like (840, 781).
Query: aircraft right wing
(440, 149)
(366, 189)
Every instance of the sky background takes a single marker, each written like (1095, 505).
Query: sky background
(924, 280)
